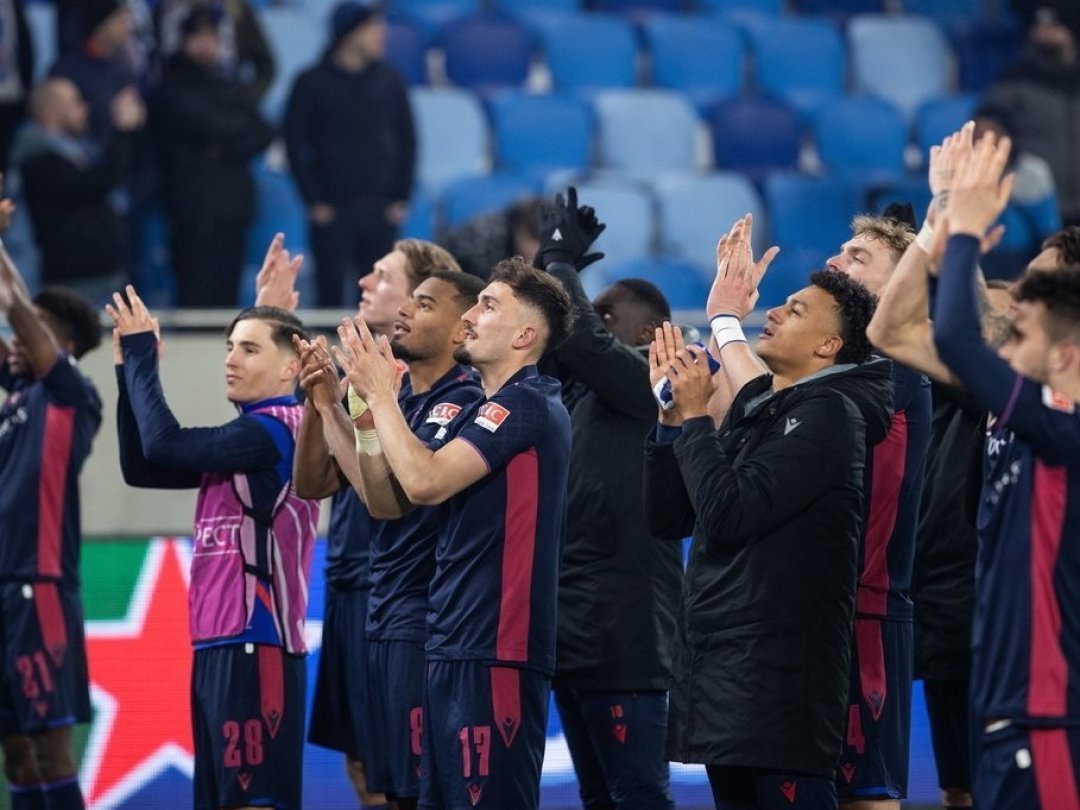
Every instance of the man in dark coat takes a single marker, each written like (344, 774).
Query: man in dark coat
(208, 131)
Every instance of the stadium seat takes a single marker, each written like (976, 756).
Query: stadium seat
(625, 205)
(683, 284)
(810, 212)
(486, 52)
(903, 59)
(623, 6)
(41, 20)
(790, 271)
(642, 132)
(939, 117)
(536, 134)
(297, 40)
(755, 135)
(946, 11)
(406, 50)
(701, 57)
(985, 48)
(470, 197)
(800, 61)
(433, 14)
(527, 5)
(586, 52)
(451, 133)
(695, 211)
(861, 137)
(739, 6)
(840, 7)
(420, 223)
(909, 188)
(279, 208)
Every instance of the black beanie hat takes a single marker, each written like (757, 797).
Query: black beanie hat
(347, 17)
(94, 12)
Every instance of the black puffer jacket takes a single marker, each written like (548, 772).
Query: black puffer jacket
(775, 501)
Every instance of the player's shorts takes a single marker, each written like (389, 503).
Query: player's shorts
(484, 734)
(950, 732)
(1028, 768)
(736, 788)
(247, 713)
(396, 717)
(877, 732)
(339, 712)
(44, 683)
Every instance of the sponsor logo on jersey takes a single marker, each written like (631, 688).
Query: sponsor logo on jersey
(443, 413)
(491, 416)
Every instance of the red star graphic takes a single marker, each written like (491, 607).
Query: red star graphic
(140, 669)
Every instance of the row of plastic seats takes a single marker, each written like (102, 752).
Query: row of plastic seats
(645, 132)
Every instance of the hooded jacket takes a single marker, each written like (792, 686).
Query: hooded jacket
(775, 502)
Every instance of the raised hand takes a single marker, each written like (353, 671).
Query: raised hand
(131, 316)
(275, 284)
(567, 231)
(369, 364)
(980, 192)
(318, 376)
(735, 289)
(943, 164)
(691, 381)
(667, 343)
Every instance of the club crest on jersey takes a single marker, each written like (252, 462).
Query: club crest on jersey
(1057, 401)
(443, 413)
(491, 416)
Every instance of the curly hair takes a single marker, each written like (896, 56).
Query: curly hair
(73, 317)
(1067, 243)
(540, 291)
(283, 325)
(1059, 292)
(855, 307)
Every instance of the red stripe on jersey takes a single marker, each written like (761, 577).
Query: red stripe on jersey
(50, 616)
(271, 687)
(506, 701)
(887, 478)
(870, 651)
(519, 548)
(1055, 779)
(52, 487)
(1049, 675)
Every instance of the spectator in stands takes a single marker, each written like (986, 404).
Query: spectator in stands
(16, 73)
(487, 239)
(1043, 94)
(245, 54)
(69, 185)
(105, 64)
(352, 148)
(208, 130)
(1033, 212)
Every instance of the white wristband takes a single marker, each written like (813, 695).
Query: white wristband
(367, 442)
(726, 329)
(925, 238)
(357, 405)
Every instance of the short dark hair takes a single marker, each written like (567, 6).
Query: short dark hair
(467, 285)
(540, 291)
(283, 325)
(526, 214)
(1067, 242)
(1059, 292)
(647, 295)
(73, 316)
(855, 306)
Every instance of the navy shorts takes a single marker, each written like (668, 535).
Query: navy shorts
(877, 731)
(1028, 769)
(340, 708)
(44, 679)
(950, 732)
(396, 718)
(484, 734)
(247, 713)
(735, 788)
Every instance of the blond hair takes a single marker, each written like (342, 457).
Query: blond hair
(895, 235)
(422, 258)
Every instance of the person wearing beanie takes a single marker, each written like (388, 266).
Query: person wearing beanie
(352, 150)
(208, 130)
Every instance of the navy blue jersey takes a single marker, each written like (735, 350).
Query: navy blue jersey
(1026, 633)
(348, 541)
(894, 482)
(46, 428)
(494, 593)
(403, 551)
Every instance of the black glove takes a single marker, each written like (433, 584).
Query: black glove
(567, 232)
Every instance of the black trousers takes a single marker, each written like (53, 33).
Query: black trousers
(207, 261)
(346, 249)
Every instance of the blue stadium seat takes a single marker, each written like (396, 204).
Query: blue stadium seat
(537, 134)
(701, 57)
(589, 51)
(790, 271)
(41, 20)
(840, 7)
(452, 135)
(527, 5)
(683, 285)
(798, 60)
(909, 188)
(642, 132)
(755, 135)
(623, 6)
(903, 59)
(420, 223)
(810, 212)
(738, 6)
(946, 11)
(470, 197)
(406, 50)
(297, 40)
(939, 117)
(625, 205)
(433, 14)
(696, 210)
(486, 52)
(861, 137)
(279, 208)
(985, 48)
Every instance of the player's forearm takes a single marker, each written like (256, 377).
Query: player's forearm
(38, 342)
(378, 488)
(314, 473)
(410, 460)
(340, 441)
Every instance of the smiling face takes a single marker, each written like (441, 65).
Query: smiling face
(801, 334)
(867, 260)
(429, 322)
(256, 368)
(383, 291)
